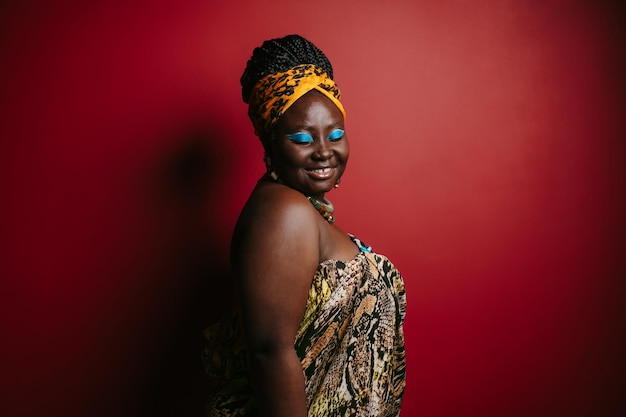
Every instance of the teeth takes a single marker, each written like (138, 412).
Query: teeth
(322, 171)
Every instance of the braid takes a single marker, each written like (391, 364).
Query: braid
(279, 55)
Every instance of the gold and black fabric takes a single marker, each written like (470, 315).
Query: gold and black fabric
(275, 93)
(350, 343)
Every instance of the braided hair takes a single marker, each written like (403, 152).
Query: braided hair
(279, 55)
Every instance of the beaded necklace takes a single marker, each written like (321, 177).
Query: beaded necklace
(325, 207)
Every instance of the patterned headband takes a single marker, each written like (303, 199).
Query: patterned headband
(275, 93)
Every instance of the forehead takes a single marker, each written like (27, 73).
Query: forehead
(311, 109)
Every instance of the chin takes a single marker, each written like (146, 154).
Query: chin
(307, 187)
(320, 190)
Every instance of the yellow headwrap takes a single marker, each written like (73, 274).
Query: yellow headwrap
(273, 94)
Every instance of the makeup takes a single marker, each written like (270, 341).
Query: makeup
(335, 135)
(304, 137)
(300, 137)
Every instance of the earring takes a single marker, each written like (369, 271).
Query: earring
(268, 165)
(337, 183)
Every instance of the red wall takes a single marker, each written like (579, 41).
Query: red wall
(488, 161)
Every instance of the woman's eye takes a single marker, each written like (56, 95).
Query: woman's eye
(336, 135)
(300, 137)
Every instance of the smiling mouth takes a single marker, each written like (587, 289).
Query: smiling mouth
(321, 173)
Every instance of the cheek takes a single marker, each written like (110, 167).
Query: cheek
(292, 155)
(344, 150)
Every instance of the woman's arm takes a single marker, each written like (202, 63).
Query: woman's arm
(275, 259)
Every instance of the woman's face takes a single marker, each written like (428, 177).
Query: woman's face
(310, 148)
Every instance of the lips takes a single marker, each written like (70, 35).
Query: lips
(321, 173)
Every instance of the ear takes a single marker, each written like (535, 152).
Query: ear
(268, 162)
(267, 156)
(266, 141)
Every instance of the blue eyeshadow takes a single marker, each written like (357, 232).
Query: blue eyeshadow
(300, 137)
(336, 134)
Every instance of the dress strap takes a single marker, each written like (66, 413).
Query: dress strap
(362, 246)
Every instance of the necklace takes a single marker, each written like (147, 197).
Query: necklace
(325, 208)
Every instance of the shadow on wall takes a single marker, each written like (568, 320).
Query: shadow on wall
(186, 192)
(117, 257)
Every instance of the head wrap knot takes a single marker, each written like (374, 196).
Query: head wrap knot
(273, 94)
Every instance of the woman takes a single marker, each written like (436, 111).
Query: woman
(319, 330)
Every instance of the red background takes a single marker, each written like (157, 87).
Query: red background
(488, 162)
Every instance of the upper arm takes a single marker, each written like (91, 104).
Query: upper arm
(275, 259)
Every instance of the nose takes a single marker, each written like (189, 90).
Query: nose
(323, 149)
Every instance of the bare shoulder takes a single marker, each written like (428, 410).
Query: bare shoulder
(275, 200)
(275, 252)
(277, 222)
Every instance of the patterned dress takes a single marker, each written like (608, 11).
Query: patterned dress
(350, 343)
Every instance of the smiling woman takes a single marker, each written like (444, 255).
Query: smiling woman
(319, 328)
(310, 148)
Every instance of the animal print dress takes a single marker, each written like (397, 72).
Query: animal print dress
(350, 343)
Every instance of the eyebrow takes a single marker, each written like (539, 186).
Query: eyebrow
(306, 127)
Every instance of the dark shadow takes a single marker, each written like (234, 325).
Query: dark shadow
(193, 269)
